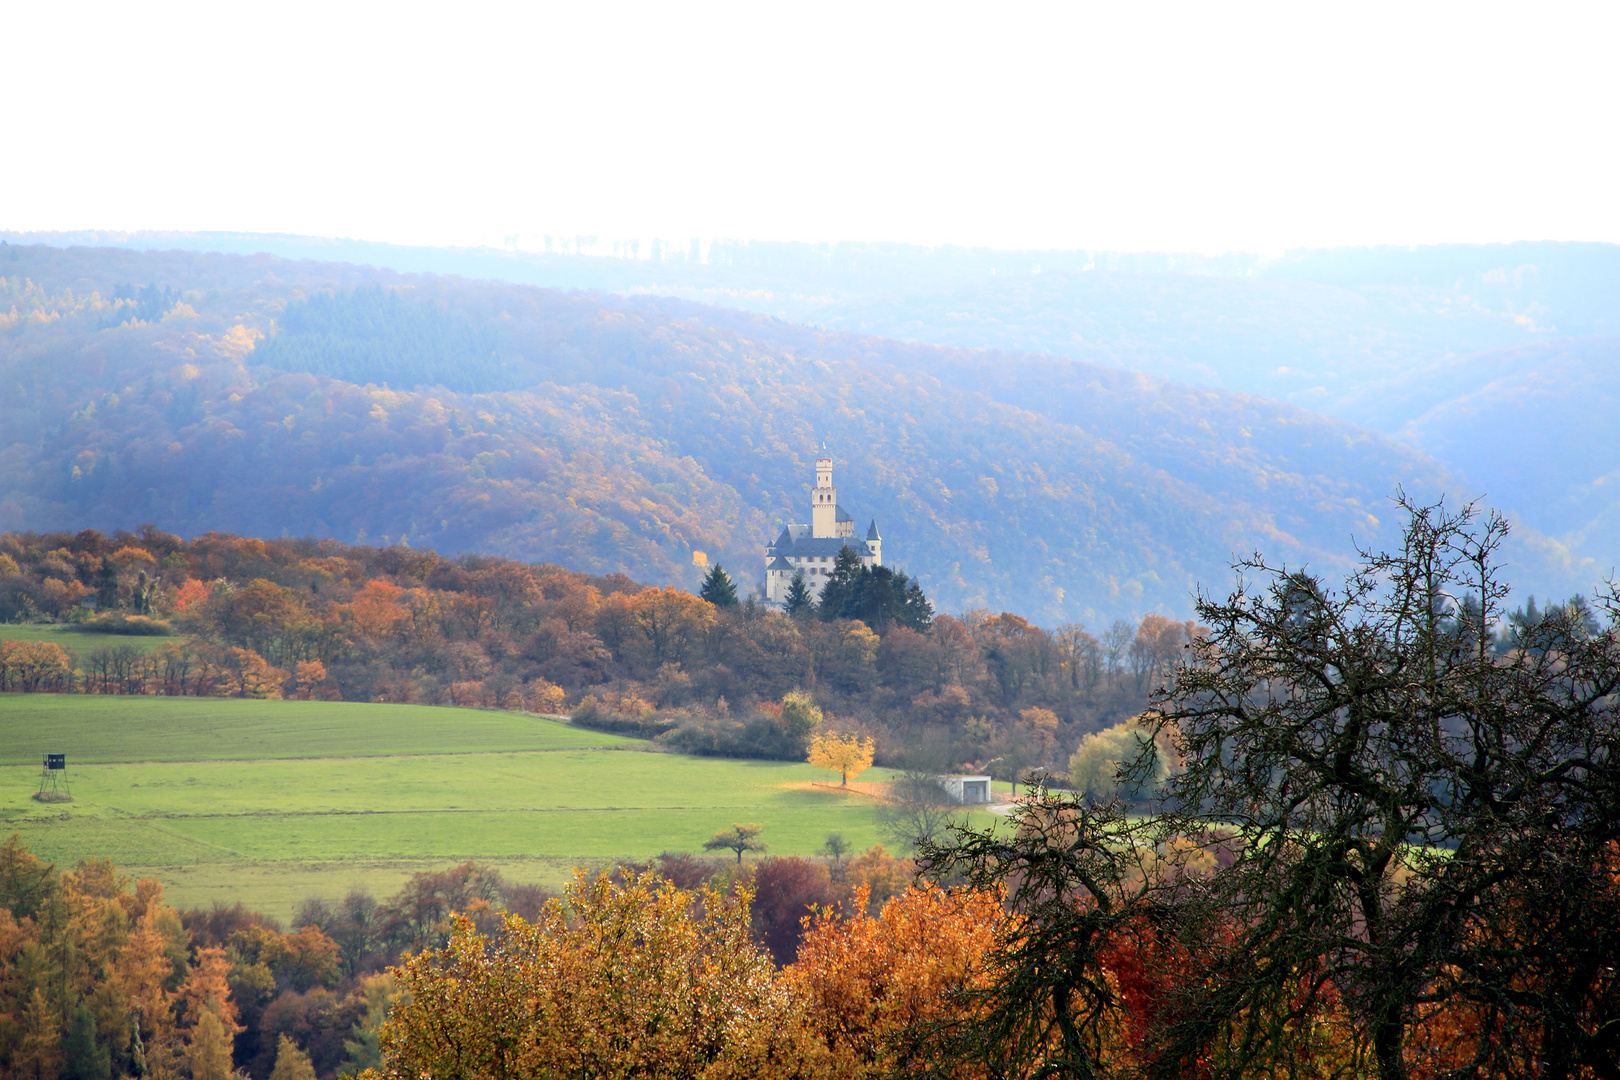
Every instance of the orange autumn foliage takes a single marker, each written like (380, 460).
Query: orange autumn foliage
(873, 986)
(207, 988)
(376, 609)
(192, 593)
(309, 675)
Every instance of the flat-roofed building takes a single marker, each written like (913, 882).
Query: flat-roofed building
(967, 789)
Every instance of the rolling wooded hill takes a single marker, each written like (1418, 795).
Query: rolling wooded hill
(1326, 329)
(603, 433)
(1538, 420)
(1396, 339)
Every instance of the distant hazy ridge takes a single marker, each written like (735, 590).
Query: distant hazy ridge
(611, 433)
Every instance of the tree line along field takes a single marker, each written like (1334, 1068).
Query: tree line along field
(268, 802)
(241, 617)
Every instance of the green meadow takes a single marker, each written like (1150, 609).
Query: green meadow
(268, 802)
(76, 641)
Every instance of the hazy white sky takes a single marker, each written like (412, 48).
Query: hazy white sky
(1116, 126)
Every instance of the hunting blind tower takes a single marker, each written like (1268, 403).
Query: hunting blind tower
(53, 785)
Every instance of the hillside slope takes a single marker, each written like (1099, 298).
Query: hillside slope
(1538, 420)
(205, 391)
(1319, 327)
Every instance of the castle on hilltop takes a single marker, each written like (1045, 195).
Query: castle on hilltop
(813, 549)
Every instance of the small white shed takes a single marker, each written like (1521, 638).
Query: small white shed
(967, 789)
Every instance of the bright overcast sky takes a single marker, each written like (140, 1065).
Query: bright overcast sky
(1112, 126)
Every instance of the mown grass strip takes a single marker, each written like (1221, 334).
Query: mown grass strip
(90, 728)
(77, 641)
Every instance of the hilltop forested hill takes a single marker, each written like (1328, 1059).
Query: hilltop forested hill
(1321, 328)
(270, 397)
(1539, 421)
(1379, 337)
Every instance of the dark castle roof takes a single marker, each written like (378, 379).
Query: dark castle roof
(788, 536)
(807, 547)
(796, 542)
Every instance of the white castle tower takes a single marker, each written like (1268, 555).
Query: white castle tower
(813, 549)
(825, 518)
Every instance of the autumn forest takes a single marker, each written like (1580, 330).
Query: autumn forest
(1380, 836)
(317, 619)
(1288, 778)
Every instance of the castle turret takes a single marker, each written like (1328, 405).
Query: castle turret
(875, 543)
(824, 501)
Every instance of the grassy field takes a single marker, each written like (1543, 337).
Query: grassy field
(116, 729)
(269, 802)
(77, 641)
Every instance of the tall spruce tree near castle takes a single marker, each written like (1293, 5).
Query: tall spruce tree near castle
(718, 588)
(879, 596)
(799, 600)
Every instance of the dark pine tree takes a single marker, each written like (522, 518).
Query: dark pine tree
(879, 596)
(107, 586)
(840, 588)
(718, 588)
(917, 612)
(85, 1060)
(799, 601)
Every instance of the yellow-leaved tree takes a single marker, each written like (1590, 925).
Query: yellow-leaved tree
(1123, 760)
(291, 1062)
(640, 979)
(204, 1001)
(846, 755)
(209, 1052)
